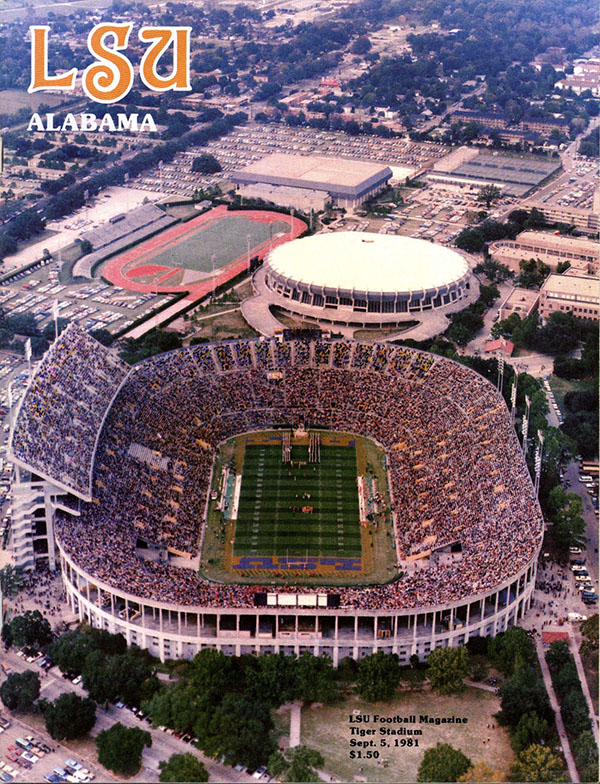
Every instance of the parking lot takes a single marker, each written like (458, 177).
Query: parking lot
(252, 143)
(34, 756)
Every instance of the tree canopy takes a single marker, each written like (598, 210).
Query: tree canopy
(20, 690)
(447, 668)
(538, 763)
(69, 716)
(378, 676)
(30, 629)
(120, 748)
(182, 767)
(443, 763)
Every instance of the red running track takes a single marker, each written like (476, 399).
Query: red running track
(114, 269)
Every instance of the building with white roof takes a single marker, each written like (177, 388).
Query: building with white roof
(357, 278)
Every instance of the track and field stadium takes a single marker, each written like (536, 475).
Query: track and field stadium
(202, 254)
(121, 480)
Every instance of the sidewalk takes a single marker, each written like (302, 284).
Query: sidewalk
(564, 741)
(584, 687)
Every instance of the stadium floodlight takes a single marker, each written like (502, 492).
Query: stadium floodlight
(525, 424)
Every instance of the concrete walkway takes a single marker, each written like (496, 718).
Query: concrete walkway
(295, 722)
(584, 687)
(482, 686)
(564, 741)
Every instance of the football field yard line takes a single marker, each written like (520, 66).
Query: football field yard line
(302, 509)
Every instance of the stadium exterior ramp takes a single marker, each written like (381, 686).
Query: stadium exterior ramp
(54, 437)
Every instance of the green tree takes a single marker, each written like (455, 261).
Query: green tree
(523, 693)
(272, 678)
(446, 669)
(488, 294)
(530, 729)
(558, 655)
(206, 164)
(120, 748)
(20, 690)
(589, 630)
(537, 763)
(559, 335)
(178, 707)
(378, 676)
(11, 580)
(182, 767)
(488, 194)
(512, 649)
(585, 751)
(71, 650)
(304, 764)
(315, 679)
(238, 729)
(69, 716)
(443, 763)
(30, 629)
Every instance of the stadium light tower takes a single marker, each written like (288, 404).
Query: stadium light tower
(248, 236)
(525, 424)
(538, 461)
(212, 267)
(513, 397)
(500, 360)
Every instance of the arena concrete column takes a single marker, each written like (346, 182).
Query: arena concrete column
(375, 628)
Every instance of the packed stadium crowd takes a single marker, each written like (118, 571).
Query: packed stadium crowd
(457, 479)
(63, 408)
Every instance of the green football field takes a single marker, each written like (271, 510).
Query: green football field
(270, 518)
(219, 243)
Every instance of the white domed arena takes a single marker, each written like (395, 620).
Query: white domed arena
(363, 279)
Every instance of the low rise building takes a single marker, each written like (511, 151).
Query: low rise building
(586, 221)
(520, 301)
(550, 248)
(570, 294)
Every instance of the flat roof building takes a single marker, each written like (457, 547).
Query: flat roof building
(348, 183)
(570, 294)
(547, 247)
(520, 301)
(586, 221)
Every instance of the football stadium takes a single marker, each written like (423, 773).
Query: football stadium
(361, 279)
(264, 447)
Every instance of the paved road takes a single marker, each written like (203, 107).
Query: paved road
(163, 745)
(564, 741)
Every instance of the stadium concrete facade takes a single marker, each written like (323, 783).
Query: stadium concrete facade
(362, 279)
(466, 565)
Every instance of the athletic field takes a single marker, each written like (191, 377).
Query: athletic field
(279, 514)
(202, 254)
(298, 508)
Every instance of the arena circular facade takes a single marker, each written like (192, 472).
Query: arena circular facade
(362, 278)
(467, 527)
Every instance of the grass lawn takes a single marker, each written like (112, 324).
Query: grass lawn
(327, 729)
(224, 326)
(273, 494)
(561, 386)
(13, 100)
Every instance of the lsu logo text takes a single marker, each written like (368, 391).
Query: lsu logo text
(110, 78)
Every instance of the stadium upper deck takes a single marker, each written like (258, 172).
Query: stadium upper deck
(63, 409)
